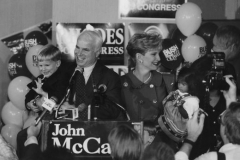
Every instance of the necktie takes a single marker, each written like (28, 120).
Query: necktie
(80, 96)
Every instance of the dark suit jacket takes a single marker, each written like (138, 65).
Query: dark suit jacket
(100, 75)
(30, 152)
(53, 85)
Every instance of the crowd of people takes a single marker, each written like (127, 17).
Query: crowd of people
(184, 116)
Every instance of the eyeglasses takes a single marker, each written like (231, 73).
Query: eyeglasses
(221, 118)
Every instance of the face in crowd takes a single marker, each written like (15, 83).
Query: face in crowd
(150, 60)
(48, 67)
(88, 48)
(219, 46)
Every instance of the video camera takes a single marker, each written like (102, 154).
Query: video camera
(214, 78)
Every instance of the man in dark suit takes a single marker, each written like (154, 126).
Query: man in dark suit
(98, 80)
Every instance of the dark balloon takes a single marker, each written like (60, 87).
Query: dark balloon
(35, 38)
(178, 37)
(170, 54)
(207, 32)
(17, 66)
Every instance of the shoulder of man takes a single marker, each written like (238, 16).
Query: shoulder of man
(105, 70)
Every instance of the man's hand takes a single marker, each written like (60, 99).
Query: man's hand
(82, 106)
(34, 130)
(195, 126)
(66, 105)
(231, 94)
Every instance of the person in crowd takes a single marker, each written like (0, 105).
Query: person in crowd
(7, 151)
(212, 102)
(179, 107)
(158, 151)
(230, 130)
(29, 148)
(96, 79)
(125, 143)
(227, 40)
(143, 88)
(47, 84)
(149, 133)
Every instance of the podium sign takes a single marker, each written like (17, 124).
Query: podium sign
(88, 139)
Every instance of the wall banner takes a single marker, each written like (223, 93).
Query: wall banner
(112, 35)
(149, 8)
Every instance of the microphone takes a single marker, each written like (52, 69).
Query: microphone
(67, 91)
(38, 119)
(47, 105)
(102, 88)
(76, 69)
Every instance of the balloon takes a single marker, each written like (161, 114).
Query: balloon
(35, 38)
(13, 115)
(178, 37)
(188, 18)
(17, 90)
(207, 32)
(193, 48)
(17, 66)
(170, 54)
(9, 133)
(31, 60)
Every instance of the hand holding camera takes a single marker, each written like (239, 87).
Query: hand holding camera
(231, 94)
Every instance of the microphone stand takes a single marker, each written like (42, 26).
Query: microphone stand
(65, 97)
(121, 107)
(60, 104)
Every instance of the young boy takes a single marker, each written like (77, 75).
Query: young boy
(48, 84)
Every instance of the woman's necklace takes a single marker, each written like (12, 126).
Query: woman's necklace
(150, 75)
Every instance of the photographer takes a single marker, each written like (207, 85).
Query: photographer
(230, 130)
(210, 70)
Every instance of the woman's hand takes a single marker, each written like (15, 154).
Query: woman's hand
(33, 106)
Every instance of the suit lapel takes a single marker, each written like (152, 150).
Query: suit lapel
(94, 78)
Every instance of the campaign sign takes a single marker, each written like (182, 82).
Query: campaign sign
(88, 139)
(112, 34)
(149, 8)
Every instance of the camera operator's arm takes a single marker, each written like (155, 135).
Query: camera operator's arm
(194, 128)
(231, 94)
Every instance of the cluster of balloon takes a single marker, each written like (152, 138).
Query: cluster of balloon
(17, 66)
(20, 67)
(13, 112)
(188, 19)
(207, 31)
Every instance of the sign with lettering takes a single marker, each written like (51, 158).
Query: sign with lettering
(149, 8)
(112, 36)
(82, 138)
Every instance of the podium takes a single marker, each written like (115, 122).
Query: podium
(85, 139)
